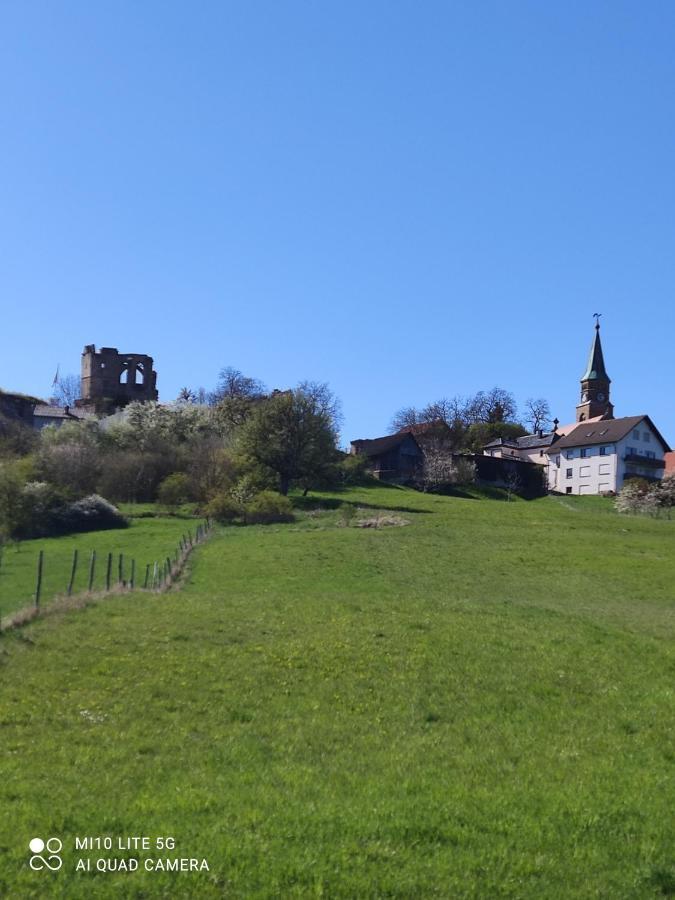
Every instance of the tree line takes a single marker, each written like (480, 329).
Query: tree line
(238, 454)
(469, 423)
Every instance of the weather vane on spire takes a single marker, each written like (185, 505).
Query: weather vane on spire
(596, 316)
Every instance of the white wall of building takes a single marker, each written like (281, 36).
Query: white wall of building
(597, 469)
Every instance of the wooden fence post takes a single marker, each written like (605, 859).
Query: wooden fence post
(72, 573)
(108, 572)
(92, 569)
(38, 586)
(120, 569)
(147, 575)
(132, 577)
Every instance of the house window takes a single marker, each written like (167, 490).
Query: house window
(584, 452)
(541, 453)
(650, 454)
(569, 454)
(646, 436)
(603, 451)
(604, 469)
(568, 490)
(557, 461)
(636, 434)
(631, 451)
(585, 472)
(569, 473)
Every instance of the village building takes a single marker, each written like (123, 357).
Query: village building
(597, 453)
(44, 415)
(394, 457)
(598, 457)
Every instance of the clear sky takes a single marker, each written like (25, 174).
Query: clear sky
(404, 199)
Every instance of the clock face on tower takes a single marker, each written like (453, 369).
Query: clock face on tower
(601, 397)
(584, 396)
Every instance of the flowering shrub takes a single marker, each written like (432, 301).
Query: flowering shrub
(39, 510)
(92, 513)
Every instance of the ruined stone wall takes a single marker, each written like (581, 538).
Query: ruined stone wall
(111, 379)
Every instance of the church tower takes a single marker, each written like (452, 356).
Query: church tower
(595, 384)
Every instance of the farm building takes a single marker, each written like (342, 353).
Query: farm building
(395, 457)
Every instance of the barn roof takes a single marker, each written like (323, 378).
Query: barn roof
(377, 446)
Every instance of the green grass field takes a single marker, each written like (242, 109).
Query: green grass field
(478, 704)
(146, 540)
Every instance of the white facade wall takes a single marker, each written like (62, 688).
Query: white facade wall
(584, 470)
(597, 469)
(641, 442)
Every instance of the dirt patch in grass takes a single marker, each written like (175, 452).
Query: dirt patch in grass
(381, 522)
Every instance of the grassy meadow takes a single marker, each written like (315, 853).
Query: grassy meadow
(149, 538)
(478, 703)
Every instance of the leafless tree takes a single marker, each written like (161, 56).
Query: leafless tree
(323, 401)
(495, 405)
(537, 414)
(66, 391)
(405, 418)
(233, 383)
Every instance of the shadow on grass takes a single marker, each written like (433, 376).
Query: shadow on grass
(307, 504)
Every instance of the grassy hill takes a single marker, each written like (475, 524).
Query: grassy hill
(477, 704)
(147, 540)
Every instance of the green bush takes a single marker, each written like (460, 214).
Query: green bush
(174, 490)
(353, 470)
(268, 507)
(38, 509)
(224, 509)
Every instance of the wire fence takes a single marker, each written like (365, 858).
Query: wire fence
(107, 573)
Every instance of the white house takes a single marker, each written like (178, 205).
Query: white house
(597, 453)
(597, 457)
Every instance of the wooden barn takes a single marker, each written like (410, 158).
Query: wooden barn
(395, 457)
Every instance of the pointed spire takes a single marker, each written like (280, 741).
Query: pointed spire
(595, 370)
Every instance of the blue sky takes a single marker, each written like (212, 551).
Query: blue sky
(407, 200)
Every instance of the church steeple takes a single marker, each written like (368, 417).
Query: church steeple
(595, 383)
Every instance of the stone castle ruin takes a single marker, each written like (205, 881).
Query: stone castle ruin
(110, 379)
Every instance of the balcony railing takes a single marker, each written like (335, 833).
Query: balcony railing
(646, 461)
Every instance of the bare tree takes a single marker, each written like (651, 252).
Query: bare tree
(66, 391)
(324, 401)
(495, 405)
(537, 414)
(405, 418)
(233, 383)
